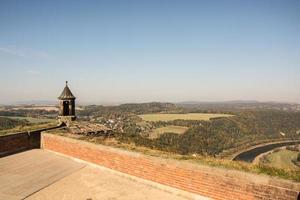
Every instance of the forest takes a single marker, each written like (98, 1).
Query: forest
(213, 137)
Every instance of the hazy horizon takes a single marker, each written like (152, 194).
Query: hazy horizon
(145, 51)
(113, 103)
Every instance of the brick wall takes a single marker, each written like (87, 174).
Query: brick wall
(207, 181)
(14, 143)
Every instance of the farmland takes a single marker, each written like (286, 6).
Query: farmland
(168, 129)
(31, 119)
(15, 118)
(13, 124)
(188, 116)
(32, 107)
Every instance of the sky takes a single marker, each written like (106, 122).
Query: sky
(155, 50)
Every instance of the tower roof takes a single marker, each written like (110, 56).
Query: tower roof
(66, 93)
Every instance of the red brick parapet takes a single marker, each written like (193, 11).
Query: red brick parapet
(23, 141)
(215, 183)
(14, 143)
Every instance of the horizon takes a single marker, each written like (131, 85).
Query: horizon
(78, 103)
(150, 51)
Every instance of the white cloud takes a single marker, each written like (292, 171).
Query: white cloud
(26, 52)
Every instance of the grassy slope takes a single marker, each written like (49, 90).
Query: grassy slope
(281, 159)
(168, 129)
(189, 116)
(7, 123)
(30, 127)
(26, 124)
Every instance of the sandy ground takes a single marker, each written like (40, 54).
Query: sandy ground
(39, 174)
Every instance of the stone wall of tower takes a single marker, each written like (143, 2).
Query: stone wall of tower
(72, 107)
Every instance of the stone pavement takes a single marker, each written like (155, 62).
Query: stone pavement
(39, 174)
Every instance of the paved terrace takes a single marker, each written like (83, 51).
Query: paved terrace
(40, 174)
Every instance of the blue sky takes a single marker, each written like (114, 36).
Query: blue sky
(139, 51)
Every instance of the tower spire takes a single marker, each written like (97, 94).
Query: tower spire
(67, 105)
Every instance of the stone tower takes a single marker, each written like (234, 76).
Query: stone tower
(66, 106)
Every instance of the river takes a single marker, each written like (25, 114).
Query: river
(249, 155)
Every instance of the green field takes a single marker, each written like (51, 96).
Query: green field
(31, 119)
(168, 129)
(31, 127)
(188, 116)
(281, 159)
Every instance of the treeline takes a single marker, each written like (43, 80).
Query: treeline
(142, 108)
(214, 136)
(28, 113)
(231, 106)
(7, 123)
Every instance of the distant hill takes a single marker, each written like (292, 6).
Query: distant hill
(218, 102)
(239, 105)
(188, 106)
(35, 102)
(142, 108)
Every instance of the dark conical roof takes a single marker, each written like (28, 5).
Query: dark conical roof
(66, 93)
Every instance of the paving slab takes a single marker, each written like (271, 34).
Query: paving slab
(93, 184)
(25, 173)
(39, 174)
